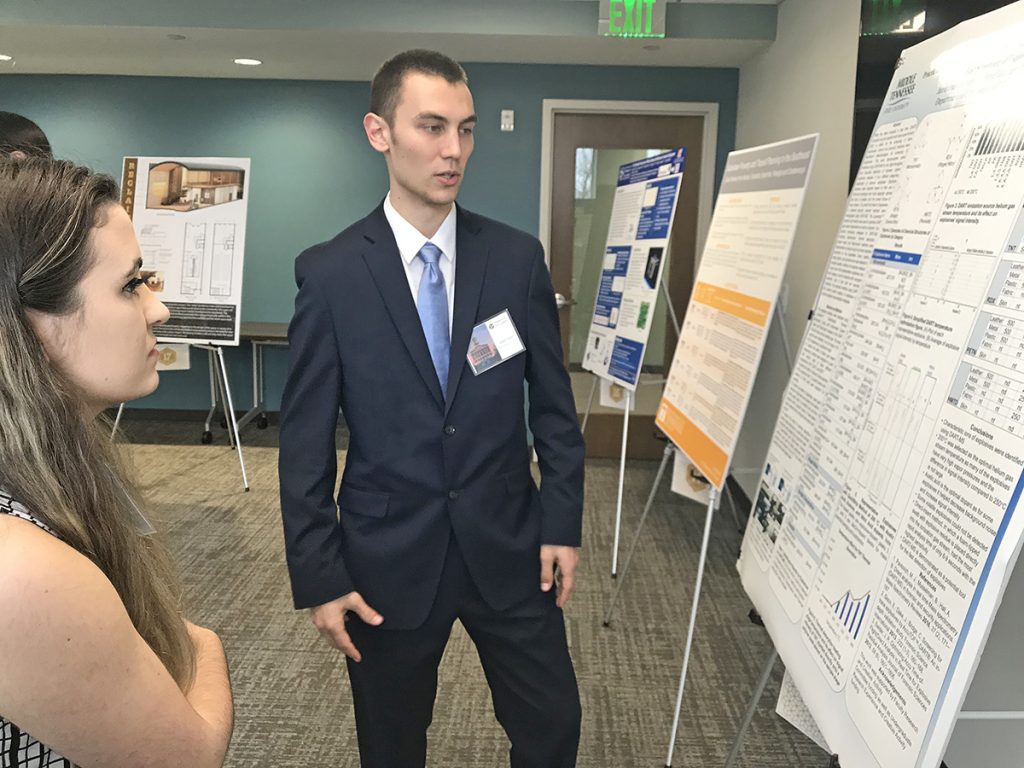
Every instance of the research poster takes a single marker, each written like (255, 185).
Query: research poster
(190, 215)
(726, 322)
(644, 208)
(887, 521)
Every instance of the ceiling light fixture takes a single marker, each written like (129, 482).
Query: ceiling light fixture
(173, 36)
(248, 62)
(5, 57)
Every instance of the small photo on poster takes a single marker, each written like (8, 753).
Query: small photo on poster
(643, 314)
(154, 280)
(771, 502)
(654, 256)
(179, 187)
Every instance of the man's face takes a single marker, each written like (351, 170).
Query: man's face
(429, 140)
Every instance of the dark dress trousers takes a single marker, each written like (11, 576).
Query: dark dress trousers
(437, 516)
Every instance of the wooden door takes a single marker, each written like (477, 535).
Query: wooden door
(587, 150)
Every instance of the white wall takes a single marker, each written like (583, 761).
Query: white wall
(803, 84)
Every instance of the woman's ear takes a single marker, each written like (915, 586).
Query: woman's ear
(46, 328)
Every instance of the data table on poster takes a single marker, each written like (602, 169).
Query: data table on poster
(998, 340)
(991, 396)
(1007, 289)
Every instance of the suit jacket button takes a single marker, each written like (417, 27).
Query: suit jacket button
(453, 495)
(449, 430)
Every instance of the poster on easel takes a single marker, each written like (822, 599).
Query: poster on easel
(738, 280)
(887, 520)
(646, 196)
(189, 215)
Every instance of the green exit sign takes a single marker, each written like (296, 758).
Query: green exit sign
(632, 18)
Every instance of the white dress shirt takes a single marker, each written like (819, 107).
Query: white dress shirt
(410, 240)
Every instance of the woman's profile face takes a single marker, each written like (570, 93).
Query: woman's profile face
(106, 347)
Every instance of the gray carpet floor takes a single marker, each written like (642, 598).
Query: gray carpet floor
(292, 700)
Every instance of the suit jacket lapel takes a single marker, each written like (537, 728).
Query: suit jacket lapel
(470, 268)
(385, 265)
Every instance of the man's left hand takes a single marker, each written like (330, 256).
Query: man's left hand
(565, 559)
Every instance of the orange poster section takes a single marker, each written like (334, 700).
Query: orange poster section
(711, 460)
(705, 453)
(749, 308)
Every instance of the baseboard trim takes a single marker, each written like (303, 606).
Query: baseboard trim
(176, 414)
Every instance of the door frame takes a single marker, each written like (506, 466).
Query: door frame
(709, 152)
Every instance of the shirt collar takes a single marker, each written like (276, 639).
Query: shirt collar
(410, 239)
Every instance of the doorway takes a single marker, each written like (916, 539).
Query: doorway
(584, 145)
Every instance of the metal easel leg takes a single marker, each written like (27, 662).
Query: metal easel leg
(622, 483)
(740, 524)
(222, 398)
(693, 623)
(590, 404)
(669, 450)
(230, 413)
(671, 309)
(117, 421)
(748, 716)
(207, 431)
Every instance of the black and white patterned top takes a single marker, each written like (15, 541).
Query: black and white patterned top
(18, 749)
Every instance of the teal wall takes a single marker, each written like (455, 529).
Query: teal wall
(312, 170)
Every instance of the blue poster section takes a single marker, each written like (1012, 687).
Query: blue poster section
(626, 357)
(652, 167)
(896, 257)
(608, 299)
(654, 219)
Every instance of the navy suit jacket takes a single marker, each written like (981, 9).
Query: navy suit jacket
(420, 465)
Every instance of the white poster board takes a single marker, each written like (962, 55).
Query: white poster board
(887, 523)
(189, 215)
(689, 482)
(613, 395)
(726, 323)
(173, 357)
(644, 208)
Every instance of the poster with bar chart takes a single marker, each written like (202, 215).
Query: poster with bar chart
(189, 215)
(887, 520)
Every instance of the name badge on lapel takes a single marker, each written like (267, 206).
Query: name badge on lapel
(493, 342)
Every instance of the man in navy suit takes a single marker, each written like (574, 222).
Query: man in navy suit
(437, 517)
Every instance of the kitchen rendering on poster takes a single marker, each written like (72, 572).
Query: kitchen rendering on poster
(190, 217)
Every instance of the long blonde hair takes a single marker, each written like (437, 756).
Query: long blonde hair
(54, 458)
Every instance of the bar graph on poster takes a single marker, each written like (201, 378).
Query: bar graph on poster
(886, 524)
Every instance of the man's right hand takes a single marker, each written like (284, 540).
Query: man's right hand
(330, 618)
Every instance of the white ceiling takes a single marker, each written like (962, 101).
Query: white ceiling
(347, 39)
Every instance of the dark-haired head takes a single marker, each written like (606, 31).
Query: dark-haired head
(386, 86)
(20, 137)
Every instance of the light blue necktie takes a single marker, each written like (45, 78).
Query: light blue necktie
(432, 305)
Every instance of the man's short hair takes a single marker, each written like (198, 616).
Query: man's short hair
(387, 83)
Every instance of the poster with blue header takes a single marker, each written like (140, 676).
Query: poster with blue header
(646, 195)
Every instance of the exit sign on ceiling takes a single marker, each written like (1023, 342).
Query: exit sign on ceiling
(632, 18)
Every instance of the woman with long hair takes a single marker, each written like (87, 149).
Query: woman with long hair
(98, 667)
